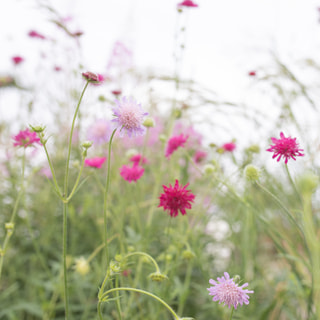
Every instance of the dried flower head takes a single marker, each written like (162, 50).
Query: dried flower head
(175, 199)
(174, 143)
(226, 291)
(286, 148)
(129, 116)
(26, 138)
(96, 162)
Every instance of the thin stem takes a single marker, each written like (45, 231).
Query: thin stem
(145, 255)
(105, 234)
(105, 297)
(231, 313)
(66, 177)
(77, 181)
(293, 184)
(64, 248)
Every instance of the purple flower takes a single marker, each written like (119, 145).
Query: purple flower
(226, 291)
(129, 116)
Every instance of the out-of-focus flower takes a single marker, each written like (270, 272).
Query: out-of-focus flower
(77, 33)
(133, 173)
(252, 173)
(17, 60)
(45, 171)
(174, 143)
(82, 266)
(252, 73)
(226, 291)
(57, 68)
(129, 117)
(188, 3)
(7, 81)
(26, 138)
(92, 77)
(176, 198)
(100, 131)
(116, 92)
(138, 159)
(229, 147)
(199, 156)
(35, 34)
(96, 162)
(286, 148)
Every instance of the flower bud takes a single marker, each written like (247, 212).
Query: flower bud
(86, 144)
(9, 227)
(82, 266)
(149, 122)
(308, 182)
(158, 277)
(188, 255)
(115, 267)
(37, 129)
(252, 173)
(209, 169)
(162, 138)
(254, 148)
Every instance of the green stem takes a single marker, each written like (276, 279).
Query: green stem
(186, 285)
(64, 249)
(145, 255)
(66, 177)
(13, 215)
(77, 181)
(105, 234)
(118, 299)
(231, 313)
(105, 297)
(293, 184)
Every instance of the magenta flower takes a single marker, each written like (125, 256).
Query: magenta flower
(188, 3)
(176, 198)
(26, 138)
(138, 159)
(226, 291)
(230, 146)
(35, 34)
(199, 156)
(129, 117)
(133, 173)
(174, 143)
(252, 73)
(92, 77)
(96, 162)
(116, 92)
(100, 131)
(286, 148)
(17, 60)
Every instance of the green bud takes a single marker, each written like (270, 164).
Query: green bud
(149, 122)
(118, 257)
(37, 129)
(209, 169)
(162, 138)
(252, 173)
(9, 226)
(236, 279)
(308, 182)
(86, 144)
(115, 267)
(188, 255)
(254, 148)
(158, 277)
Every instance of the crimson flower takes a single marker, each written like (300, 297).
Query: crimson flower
(285, 147)
(176, 198)
(92, 77)
(230, 146)
(96, 162)
(174, 143)
(26, 138)
(133, 173)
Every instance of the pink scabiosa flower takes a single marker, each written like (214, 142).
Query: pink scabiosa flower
(188, 3)
(174, 143)
(96, 162)
(100, 131)
(199, 156)
(35, 34)
(175, 199)
(129, 117)
(252, 73)
(285, 147)
(26, 138)
(229, 147)
(138, 159)
(116, 92)
(133, 173)
(226, 291)
(93, 78)
(17, 60)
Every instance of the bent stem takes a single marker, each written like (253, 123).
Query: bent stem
(105, 298)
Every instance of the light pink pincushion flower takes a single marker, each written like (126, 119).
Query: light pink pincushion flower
(133, 173)
(286, 148)
(176, 198)
(96, 162)
(174, 143)
(26, 139)
(129, 117)
(226, 291)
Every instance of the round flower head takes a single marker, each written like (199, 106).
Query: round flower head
(285, 147)
(174, 143)
(230, 146)
(26, 138)
(96, 162)
(176, 198)
(129, 116)
(226, 291)
(133, 173)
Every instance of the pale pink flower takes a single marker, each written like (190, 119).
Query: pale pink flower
(286, 148)
(26, 138)
(96, 162)
(133, 173)
(174, 143)
(176, 198)
(226, 291)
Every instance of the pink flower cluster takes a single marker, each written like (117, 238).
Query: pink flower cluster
(26, 138)
(95, 162)
(174, 143)
(136, 171)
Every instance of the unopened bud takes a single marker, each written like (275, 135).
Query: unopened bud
(209, 169)
(149, 122)
(86, 144)
(158, 277)
(82, 266)
(308, 182)
(37, 129)
(188, 255)
(115, 267)
(252, 173)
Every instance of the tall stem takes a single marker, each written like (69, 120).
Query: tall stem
(231, 313)
(64, 245)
